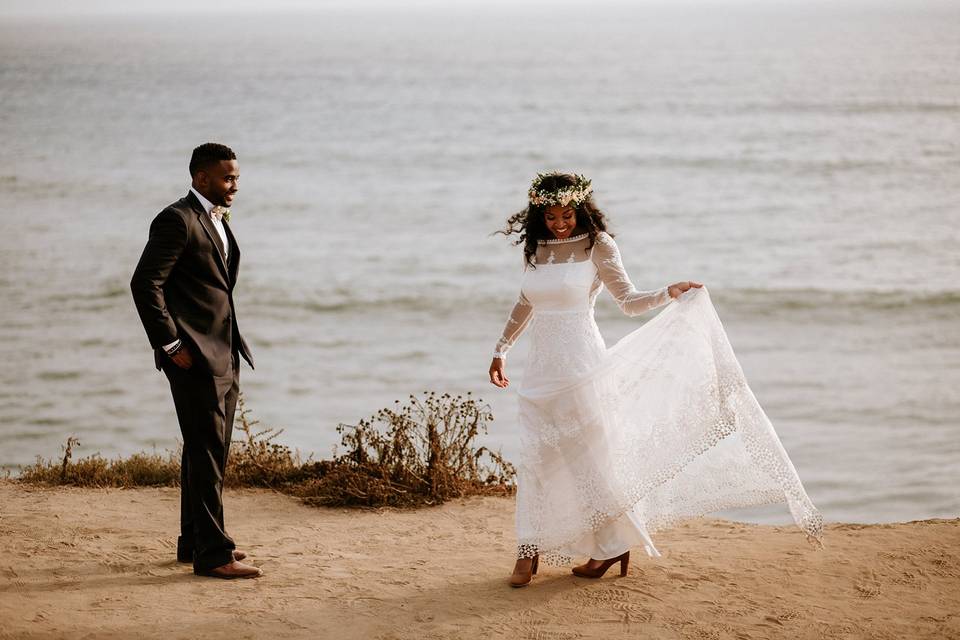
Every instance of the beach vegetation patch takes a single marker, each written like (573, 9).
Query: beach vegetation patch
(418, 453)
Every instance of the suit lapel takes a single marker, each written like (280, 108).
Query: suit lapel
(234, 262)
(211, 231)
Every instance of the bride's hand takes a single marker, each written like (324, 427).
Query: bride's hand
(497, 376)
(677, 288)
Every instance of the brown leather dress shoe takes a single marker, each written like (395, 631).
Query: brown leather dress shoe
(237, 555)
(233, 570)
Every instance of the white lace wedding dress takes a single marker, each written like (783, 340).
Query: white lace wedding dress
(618, 443)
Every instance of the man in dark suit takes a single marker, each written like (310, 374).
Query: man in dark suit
(183, 290)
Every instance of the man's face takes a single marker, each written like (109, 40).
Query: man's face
(219, 182)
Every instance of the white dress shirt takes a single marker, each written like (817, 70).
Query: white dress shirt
(218, 224)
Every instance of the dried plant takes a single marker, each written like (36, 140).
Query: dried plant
(139, 470)
(422, 452)
(256, 460)
(419, 453)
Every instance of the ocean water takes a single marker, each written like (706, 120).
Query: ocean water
(801, 160)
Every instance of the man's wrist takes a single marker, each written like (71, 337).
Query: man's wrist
(174, 348)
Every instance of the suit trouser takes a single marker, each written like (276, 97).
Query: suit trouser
(205, 407)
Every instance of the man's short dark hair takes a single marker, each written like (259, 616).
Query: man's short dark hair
(208, 154)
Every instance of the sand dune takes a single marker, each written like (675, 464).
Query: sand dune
(100, 563)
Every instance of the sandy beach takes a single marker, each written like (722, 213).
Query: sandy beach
(89, 563)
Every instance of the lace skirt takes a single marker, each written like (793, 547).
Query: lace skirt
(619, 443)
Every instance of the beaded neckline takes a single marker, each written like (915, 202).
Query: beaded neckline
(563, 240)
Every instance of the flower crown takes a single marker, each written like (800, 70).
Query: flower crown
(575, 194)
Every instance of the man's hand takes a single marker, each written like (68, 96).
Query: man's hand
(182, 358)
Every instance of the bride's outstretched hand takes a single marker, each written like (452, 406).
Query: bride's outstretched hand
(497, 376)
(679, 287)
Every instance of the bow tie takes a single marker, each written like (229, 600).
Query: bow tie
(220, 213)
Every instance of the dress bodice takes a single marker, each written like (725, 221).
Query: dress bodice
(563, 286)
(566, 276)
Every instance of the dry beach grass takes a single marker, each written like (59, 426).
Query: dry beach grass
(417, 453)
(99, 563)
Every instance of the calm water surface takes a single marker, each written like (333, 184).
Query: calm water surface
(801, 161)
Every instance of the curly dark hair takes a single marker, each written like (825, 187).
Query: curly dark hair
(531, 222)
(207, 154)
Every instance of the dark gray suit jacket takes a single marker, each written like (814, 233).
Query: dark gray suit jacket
(183, 287)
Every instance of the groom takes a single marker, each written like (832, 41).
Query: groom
(183, 290)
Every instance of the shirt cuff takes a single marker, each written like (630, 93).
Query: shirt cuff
(173, 346)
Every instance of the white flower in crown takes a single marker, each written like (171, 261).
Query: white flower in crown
(574, 194)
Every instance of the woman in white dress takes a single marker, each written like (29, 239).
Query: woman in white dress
(618, 443)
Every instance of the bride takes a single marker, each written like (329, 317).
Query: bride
(619, 443)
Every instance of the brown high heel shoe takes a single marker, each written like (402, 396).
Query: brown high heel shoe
(585, 571)
(523, 579)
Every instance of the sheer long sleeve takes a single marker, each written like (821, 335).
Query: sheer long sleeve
(606, 257)
(516, 323)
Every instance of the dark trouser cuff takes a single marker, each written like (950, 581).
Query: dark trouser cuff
(212, 560)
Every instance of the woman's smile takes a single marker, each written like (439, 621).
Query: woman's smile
(561, 221)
